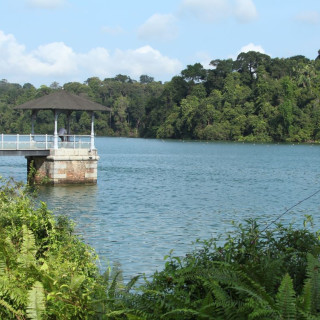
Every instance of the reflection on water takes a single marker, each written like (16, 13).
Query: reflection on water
(78, 202)
(75, 197)
(153, 196)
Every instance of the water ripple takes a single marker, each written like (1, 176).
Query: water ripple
(153, 196)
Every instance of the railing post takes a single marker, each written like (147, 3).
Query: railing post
(46, 141)
(1, 140)
(30, 139)
(74, 141)
(55, 138)
(18, 141)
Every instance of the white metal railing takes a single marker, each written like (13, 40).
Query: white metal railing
(43, 142)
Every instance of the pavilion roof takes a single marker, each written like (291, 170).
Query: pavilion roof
(62, 100)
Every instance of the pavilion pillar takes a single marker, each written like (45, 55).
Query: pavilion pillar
(33, 118)
(68, 122)
(92, 147)
(55, 135)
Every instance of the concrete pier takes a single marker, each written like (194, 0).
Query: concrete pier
(64, 166)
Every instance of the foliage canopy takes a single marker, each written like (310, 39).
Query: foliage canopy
(252, 98)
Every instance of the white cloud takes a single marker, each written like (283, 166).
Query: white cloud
(252, 47)
(207, 10)
(309, 17)
(159, 27)
(54, 58)
(45, 4)
(144, 60)
(114, 31)
(205, 58)
(58, 62)
(249, 47)
(216, 10)
(245, 11)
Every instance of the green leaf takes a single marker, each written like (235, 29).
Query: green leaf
(76, 282)
(28, 247)
(7, 306)
(313, 269)
(36, 305)
(285, 299)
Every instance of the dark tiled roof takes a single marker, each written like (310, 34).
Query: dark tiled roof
(62, 100)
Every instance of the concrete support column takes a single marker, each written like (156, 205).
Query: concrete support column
(64, 166)
(55, 135)
(92, 147)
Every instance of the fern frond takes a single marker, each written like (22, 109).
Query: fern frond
(313, 269)
(2, 265)
(262, 313)
(36, 302)
(305, 300)
(106, 275)
(9, 251)
(18, 295)
(179, 314)
(7, 306)
(76, 282)
(222, 304)
(257, 309)
(131, 283)
(135, 317)
(28, 248)
(127, 314)
(286, 302)
(114, 284)
(238, 280)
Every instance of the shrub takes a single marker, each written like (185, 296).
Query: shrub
(256, 274)
(46, 272)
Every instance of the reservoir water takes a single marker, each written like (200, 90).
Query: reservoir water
(153, 195)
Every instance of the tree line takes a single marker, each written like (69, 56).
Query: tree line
(253, 98)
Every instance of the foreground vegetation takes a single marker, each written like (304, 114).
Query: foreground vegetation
(47, 272)
(252, 98)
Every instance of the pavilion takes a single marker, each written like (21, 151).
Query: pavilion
(66, 162)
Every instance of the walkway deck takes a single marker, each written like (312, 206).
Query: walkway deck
(39, 145)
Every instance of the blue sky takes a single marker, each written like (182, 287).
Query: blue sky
(42, 41)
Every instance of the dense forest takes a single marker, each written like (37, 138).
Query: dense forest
(253, 98)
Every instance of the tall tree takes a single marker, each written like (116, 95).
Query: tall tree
(146, 79)
(194, 73)
(247, 64)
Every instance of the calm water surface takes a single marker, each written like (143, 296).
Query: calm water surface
(153, 196)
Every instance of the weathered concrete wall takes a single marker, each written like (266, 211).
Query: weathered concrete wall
(64, 166)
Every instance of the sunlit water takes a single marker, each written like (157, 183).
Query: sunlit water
(153, 196)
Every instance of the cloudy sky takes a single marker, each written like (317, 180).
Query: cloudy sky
(42, 41)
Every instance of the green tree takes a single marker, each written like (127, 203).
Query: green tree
(145, 79)
(194, 73)
(247, 64)
(216, 76)
(120, 115)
